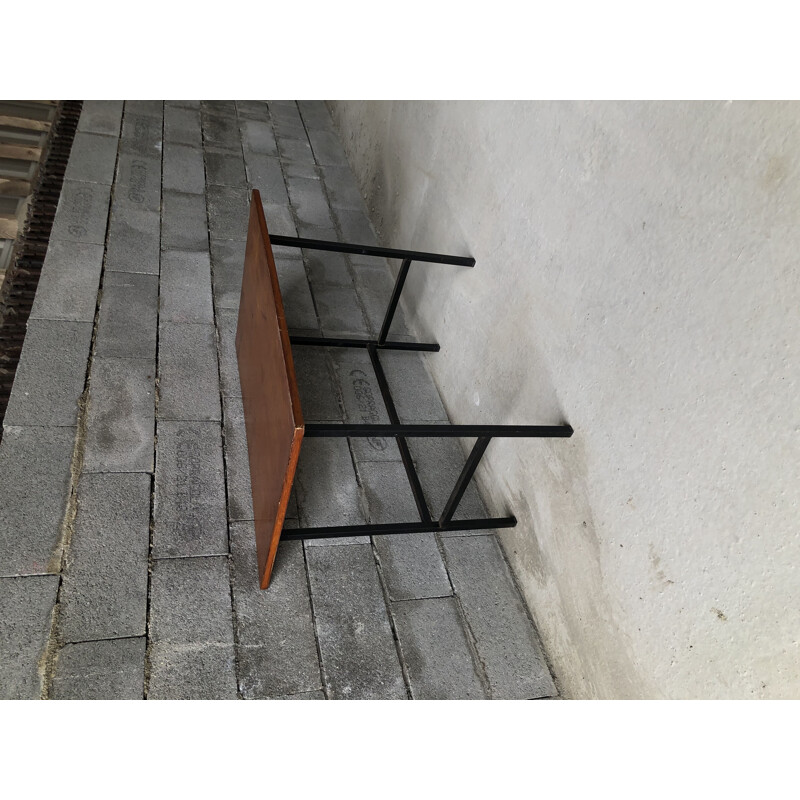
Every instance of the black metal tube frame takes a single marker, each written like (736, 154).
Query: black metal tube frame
(395, 429)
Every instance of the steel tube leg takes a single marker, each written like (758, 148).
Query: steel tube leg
(463, 479)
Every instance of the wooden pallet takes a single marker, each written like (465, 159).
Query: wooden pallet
(24, 127)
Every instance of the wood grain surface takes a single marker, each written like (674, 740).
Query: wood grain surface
(272, 414)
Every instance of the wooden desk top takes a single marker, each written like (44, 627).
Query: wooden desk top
(272, 414)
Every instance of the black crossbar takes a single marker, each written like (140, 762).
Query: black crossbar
(323, 341)
(337, 531)
(369, 250)
(434, 430)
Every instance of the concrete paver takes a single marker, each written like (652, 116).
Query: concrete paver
(359, 658)
(191, 630)
(120, 425)
(68, 284)
(104, 670)
(128, 313)
(51, 373)
(104, 590)
(26, 607)
(436, 650)
(34, 488)
(189, 504)
(275, 629)
(101, 116)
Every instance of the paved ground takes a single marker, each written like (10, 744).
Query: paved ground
(127, 553)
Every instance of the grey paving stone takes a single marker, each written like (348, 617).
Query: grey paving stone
(319, 395)
(284, 112)
(190, 601)
(101, 116)
(309, 202)
(227, 267)
(189, 507)
(138, 182)
(374, 286)
(149, 108)
(68, 284)
(413, 390)
(227, 320)
(439, 463)
(92, 158)
(192, 672)
(106, 670)
(298, 304)
(26, 607)
(354, 226)
(186, 287)
(225, 168)
(193, 104)
(34, 487)
(264, 173)
(51, 373)
(228, 212)
(343, 191)
(315, 114)
(182, 125)
(294, 149)
(327, 147)
(279, 219)
(304, 170)
(191, 630)
(300, 696)
(276, 644)
(339, 311)
(257, 136)
(184, 225)
(505, 639)
(128, 312)
(222, 107)
(411, 564)
(359, 659)
(188, 376)
(327, 269)
(142, 130)
(363, 403)
(252, 109)
(104, 589)
(436, 651)
(288, 125)
(315, 232)
(134, 238)
(237, 464)
(82, 214)
(184, 170)
(221, 131)
(327, 490)
(120, 423)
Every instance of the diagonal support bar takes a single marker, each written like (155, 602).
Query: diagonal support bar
(464, 478)
(395, 298)
(402, 444)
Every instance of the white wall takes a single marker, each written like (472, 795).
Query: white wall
(637, 275)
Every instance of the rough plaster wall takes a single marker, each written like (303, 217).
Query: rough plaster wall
(637, 275)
